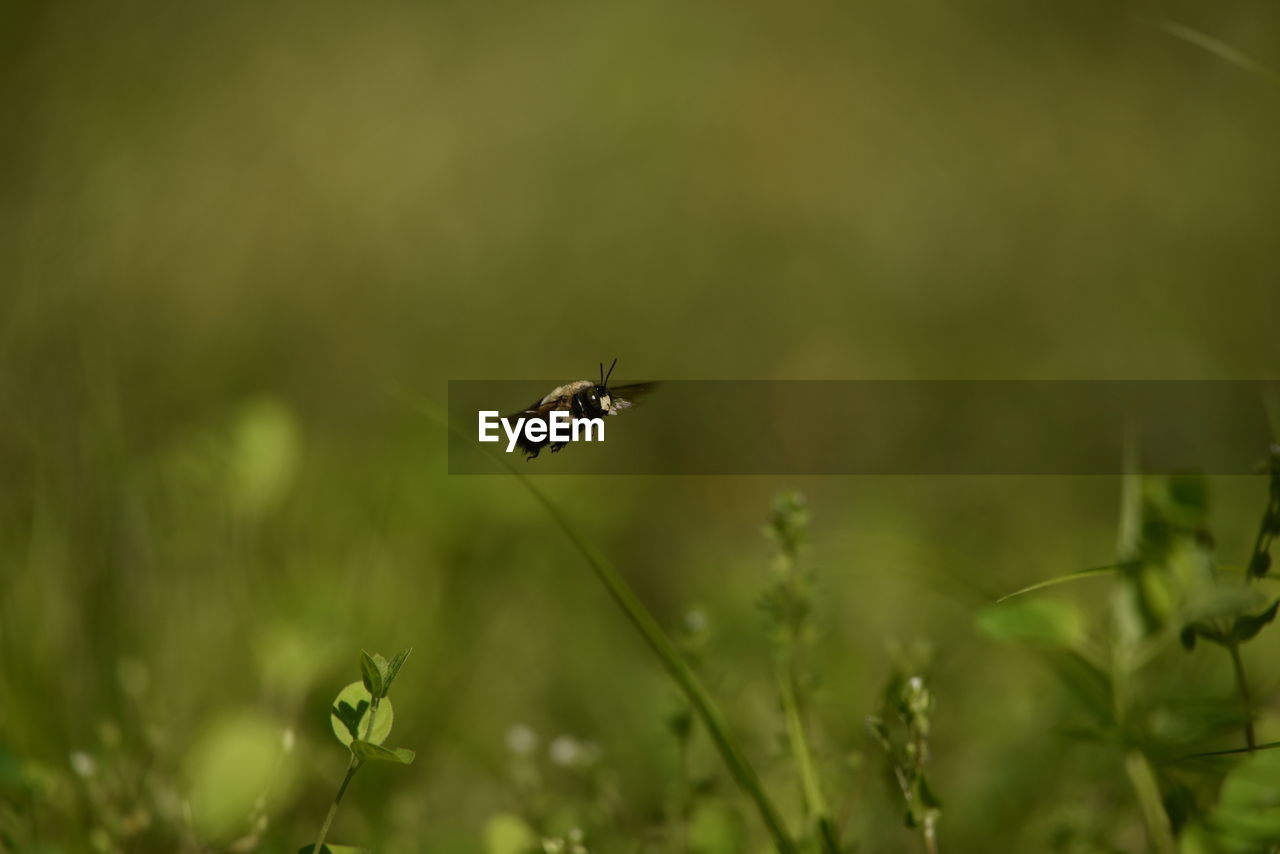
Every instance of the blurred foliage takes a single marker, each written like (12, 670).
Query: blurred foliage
(1173, 586)
(227, 230)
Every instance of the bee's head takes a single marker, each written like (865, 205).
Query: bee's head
(599, 396)
(597, 399)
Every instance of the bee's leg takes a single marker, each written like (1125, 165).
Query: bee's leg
(558, 447)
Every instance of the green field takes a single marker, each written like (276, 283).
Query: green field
(243, 248)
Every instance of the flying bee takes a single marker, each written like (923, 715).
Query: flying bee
(581, 399)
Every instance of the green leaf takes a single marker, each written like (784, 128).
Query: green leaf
(923, 806)
(372, 674)
(378, 753)
(1223, 602)
(928, 797)
(1246, 627)
(1260, 565)
(1209, 631)
(1046, 622)
(1248, 809)
(349, 715)
(878, 731)
(393, 669)
(1195, 838)
(1089, 684)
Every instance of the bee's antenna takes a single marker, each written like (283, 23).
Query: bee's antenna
(605, 382)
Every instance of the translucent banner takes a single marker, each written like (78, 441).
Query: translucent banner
(867, 427)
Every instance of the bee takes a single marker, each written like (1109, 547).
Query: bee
(582, 399)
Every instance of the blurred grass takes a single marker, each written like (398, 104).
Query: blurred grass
(225, 230)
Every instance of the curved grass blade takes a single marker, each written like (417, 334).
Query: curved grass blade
(1078, 575)
(1222, 50)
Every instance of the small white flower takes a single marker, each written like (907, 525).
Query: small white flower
(83, 764)
(565, 750)
(521, 739)
(695, 621)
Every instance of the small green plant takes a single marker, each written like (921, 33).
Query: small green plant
(789, 604)
(902, 731)
(358, 724)
(1170, 588)
(1231, 630)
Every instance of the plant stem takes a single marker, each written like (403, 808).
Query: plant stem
(1143, 780)
(815, 803)
(930, 832)
(929, 826)
(739, 768)
(1242, 687)
(333, 807)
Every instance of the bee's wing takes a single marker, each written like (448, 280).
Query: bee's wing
(625, 396)
(543, 405)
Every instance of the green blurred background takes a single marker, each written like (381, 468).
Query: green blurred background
(226, 230)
